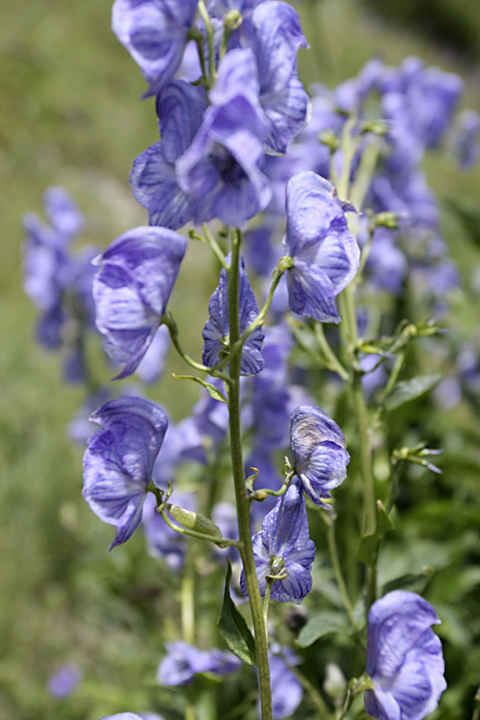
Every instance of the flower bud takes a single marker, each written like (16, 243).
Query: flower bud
(334, 684)
(193, 521)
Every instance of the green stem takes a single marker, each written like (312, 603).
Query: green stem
(211, 47)
(332, 547)
(266, 600)
(476, 708)
(214, 246)
(221, 542)
(243, 505)
(365, 172)
(355, 687)
(333, 362)
(310, 688)
(188, 602)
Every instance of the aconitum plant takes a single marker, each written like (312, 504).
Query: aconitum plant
(313, 212)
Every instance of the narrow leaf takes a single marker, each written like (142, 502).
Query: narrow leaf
(211, 389)
(369, 543)
(321, 624)
(409, 390)
(233, 627)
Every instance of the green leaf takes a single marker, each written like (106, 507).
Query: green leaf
(409, 390)
(415, 582)
(233, 627)
(367, 548)
(211, 389)
(321, 624)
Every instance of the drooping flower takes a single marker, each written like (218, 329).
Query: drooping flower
(404, 658)
(132, 289)
(319, 452)
(119, 460)
(153, 177)
(325, 255)
(183, 662)
(216, 332)
(155, 33)
(283, 545)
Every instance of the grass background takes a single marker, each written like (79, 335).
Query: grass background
(70, 115)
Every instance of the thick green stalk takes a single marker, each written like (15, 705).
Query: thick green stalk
(243, 505)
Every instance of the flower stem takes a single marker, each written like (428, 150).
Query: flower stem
(333, 362)
(211, 46)
(243, 505)
(332, 547)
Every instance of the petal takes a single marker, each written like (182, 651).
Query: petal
(311, 293)
(288, 114)
(180, 108)
(295, 587)
(325, 469)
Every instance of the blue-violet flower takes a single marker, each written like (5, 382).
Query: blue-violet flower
(404, 658)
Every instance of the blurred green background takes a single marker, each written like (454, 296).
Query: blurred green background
(70, 115)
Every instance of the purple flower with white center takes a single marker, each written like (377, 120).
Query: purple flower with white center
(183, 662)
(221, 169)
(180, 108)
(118, 462)
(216, 332)
(325, 255)
(319, 452)
(287, 692)
(466, 142)
(283, 547)
(64, 681)
(163, 542)
(155, 33)
(404, 658)
(132, 289)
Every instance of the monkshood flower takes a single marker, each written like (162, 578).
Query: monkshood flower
(132, 289)
(155, 33)
(276, 38)
(180, 108)
(221, 169)
(283, 546)
(217, 328)
(62, 212)
(325, 255)
(287, 692)
(404, 658)
(319, 452)
(119, 460)
(64, 681)
(183, 662)
(466, 142)
(153, 362)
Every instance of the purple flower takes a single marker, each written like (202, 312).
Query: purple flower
(155, 33)
(153, 362)
(283, 545)
(62, 212)
(64, 681)
(221, 169)
(287, 692)
(153, 177)
(132, 289)
(466, 145)
(319, 451)
(217, 328)
(183, 661)
(324, 253)
(119, 460)
(404, 658)
(276, 39)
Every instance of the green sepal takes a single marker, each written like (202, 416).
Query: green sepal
(211, 389)
(368, 546)
(408, 390)
(193, 521)
(233, 627)
(321, 624)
